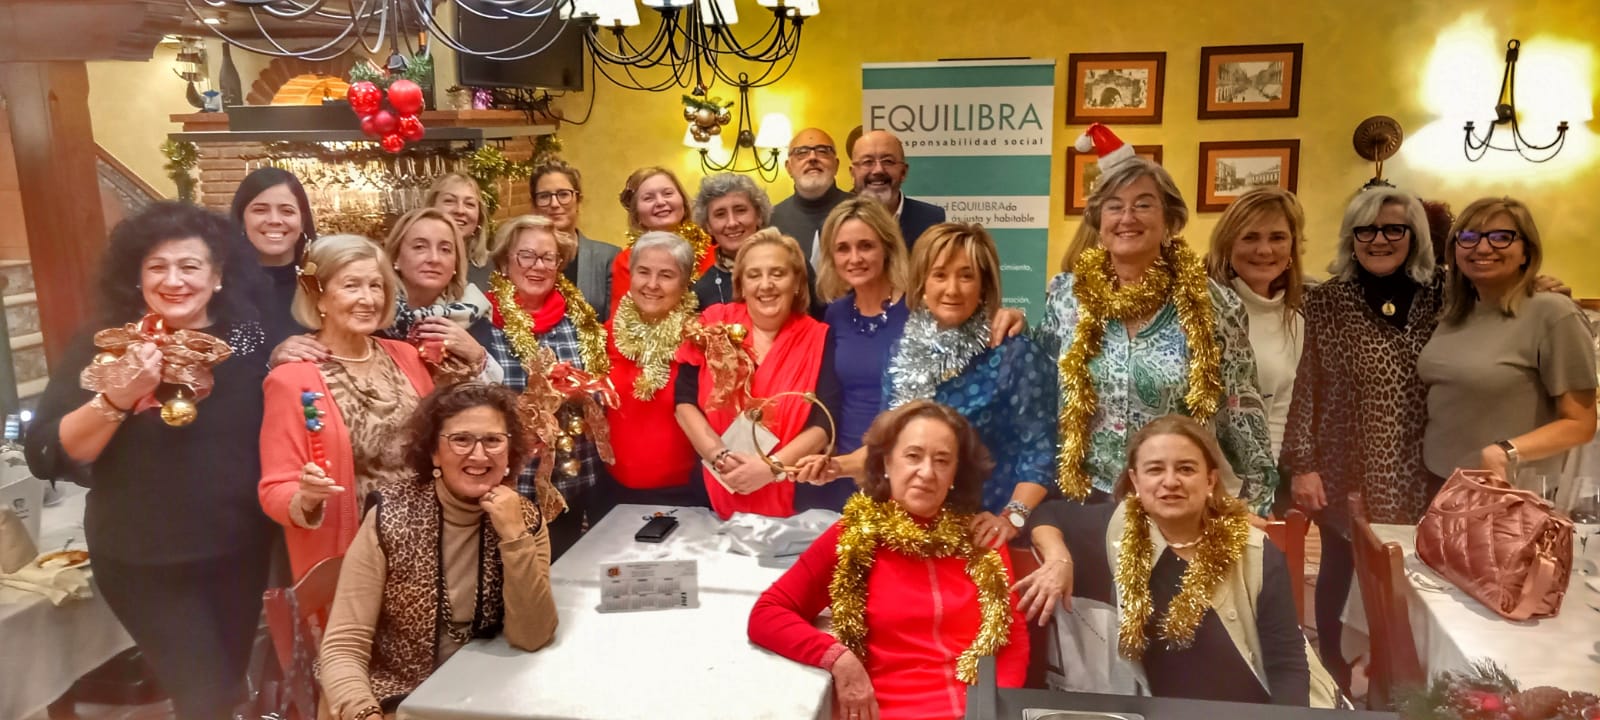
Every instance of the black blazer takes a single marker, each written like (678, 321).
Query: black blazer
(916, 217)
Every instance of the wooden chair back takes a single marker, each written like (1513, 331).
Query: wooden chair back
(1289, 534)
(1381, 574)
(296, 618)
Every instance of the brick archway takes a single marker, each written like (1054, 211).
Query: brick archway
(281, 70)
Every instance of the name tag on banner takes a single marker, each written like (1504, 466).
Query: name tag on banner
(649, 585)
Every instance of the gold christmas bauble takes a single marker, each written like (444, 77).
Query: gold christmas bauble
(565, 443)
(688, 113)
(575, 425)
(724, 118)
(736, 333)
(179, 411)
(698, 134)
(705, 118)
(714, 129)
(571, 467)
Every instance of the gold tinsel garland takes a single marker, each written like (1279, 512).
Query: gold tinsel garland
(1222, 542)
(652, 346)
(868, 525)
(519, 325)
(698, 239)
(1178, 274)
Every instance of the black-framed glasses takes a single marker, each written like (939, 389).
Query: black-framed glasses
(826, 151)
(1498, 239)
(462, 443)
(1392, 233)
(554, 197)
(526, 260)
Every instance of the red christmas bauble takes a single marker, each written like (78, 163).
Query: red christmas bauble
(368, 129)
(405, 96)
(385, 122)
(392, 143)
(364, 98)
(411, 128)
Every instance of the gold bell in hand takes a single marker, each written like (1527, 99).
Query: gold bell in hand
(179, 410)
(736, 333)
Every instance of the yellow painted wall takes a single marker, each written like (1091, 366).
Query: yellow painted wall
(1362, 58)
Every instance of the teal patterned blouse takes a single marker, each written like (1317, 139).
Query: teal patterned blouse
(1141, 378)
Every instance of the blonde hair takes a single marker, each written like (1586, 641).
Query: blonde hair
(1084, 238)
(477, 241)
(896, 263)
(630, 192)
(397, 236)
(1219, 502)
(1253, 207)
(1459, 293)
(506, 236)
(793, 258)
(968, 237)
(330, 254)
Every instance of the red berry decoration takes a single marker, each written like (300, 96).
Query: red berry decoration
(368, 129)
(392, 143)
(385, 122)
(364, 98)
(405, 96)
(411, 128)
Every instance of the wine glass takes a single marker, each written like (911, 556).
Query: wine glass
(1585, 514)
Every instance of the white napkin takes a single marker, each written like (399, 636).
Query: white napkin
(57, 583)
(775, 542)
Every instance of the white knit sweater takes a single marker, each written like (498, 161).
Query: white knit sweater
(1277, 348)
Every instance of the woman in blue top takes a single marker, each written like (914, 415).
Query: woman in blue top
(944, 354)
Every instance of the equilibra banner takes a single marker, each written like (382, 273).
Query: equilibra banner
(977, 137)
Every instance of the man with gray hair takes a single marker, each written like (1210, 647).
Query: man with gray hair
(813, 164)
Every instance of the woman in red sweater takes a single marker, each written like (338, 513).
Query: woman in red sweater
(915, 602)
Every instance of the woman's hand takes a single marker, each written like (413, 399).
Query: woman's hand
(1008, 322)
(817, 470)
(504, 507)
(143, 384)
(455, 339)
(1493, 459)
(1309, 492)
(298, 348)
(1545, 283)
(316, 487)
(745, 474)
(990, 530)
(852, 689)
(1039, 592)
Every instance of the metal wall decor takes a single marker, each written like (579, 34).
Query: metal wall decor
(1505, 114)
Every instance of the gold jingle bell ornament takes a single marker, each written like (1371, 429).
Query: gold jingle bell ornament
(571, 466)
(737, 333)
(565, 444)
(179, 410)
(575, 425)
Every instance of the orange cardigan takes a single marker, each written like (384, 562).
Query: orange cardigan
(286, 448)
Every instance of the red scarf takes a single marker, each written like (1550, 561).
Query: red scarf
(792, 364)
(544, 316)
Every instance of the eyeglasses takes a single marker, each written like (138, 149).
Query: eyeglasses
(554, 197)
(1392, 233)
(826, 151)
(887, 164)
(1498, 239)
(463, 443)
(526, 260)
(1142, 209)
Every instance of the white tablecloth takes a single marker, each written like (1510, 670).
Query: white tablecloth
(687, 663)
(44, 649)
(1452, 630)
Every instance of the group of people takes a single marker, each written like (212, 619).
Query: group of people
(449, 408)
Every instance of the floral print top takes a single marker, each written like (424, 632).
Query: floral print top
(1141, 378)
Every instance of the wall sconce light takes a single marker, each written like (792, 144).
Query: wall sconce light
(764, 147)
(1505, 113)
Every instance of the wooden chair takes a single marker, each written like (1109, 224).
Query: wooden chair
(296, 617)
(1381, 573)
(1289, 534)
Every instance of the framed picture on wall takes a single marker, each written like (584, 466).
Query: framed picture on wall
(1118, 88)
(1083, 171)
(1229, 169)
(1250, 81)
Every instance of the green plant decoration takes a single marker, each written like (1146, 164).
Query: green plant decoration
(182, 157)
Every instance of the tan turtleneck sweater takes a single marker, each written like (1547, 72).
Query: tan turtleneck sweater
(530, 609)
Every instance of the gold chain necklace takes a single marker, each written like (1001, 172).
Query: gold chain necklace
(651, 346)
(524, 341)
(1220, 546)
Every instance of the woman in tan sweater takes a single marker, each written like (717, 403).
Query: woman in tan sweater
(384, 637)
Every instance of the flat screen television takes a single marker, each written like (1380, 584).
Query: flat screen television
(557, 67)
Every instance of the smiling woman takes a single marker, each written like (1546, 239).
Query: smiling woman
(272, 207)
(436, 309)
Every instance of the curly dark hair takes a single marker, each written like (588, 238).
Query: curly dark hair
(448, 401)
(973, 463)
(122, 300)
(258, 182)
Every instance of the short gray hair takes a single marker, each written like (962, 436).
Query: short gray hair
(1363, 210)
(720, 185)
(673, 243)
(1173, 209)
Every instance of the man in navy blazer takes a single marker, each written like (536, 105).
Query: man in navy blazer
(878, 166)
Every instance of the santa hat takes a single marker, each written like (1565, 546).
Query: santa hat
(1112, 151)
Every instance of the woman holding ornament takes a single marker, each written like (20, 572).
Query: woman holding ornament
(557, 190)
(655, 200)
(916, 598)
(327, 433)
(539, 310)
(180, 545)
(436, 309)
(458, 197)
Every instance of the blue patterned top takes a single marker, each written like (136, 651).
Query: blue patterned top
(1008, 394)
(562, 339)
(1141, 378)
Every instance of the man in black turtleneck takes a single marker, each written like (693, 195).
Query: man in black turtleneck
(813, 163)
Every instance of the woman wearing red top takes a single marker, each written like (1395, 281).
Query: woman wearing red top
(792, 353)
(655, 201)
(915, 602)
(656, 465)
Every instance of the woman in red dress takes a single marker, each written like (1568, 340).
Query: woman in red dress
(915, 602)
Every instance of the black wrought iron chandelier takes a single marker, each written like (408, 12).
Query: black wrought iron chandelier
(1505, 114)
(706, 116)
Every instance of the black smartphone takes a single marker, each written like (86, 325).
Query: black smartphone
(657, 529)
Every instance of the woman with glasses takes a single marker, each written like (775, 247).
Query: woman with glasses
(452, 553)
(1510, 372)
(557, 190)
(536, 306)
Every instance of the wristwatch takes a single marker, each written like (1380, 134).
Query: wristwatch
(1511, 452)
(1016, 513)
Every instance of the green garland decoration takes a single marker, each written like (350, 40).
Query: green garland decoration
(419, 69)
(1487, 692)
(488, 165)
(182, 157)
